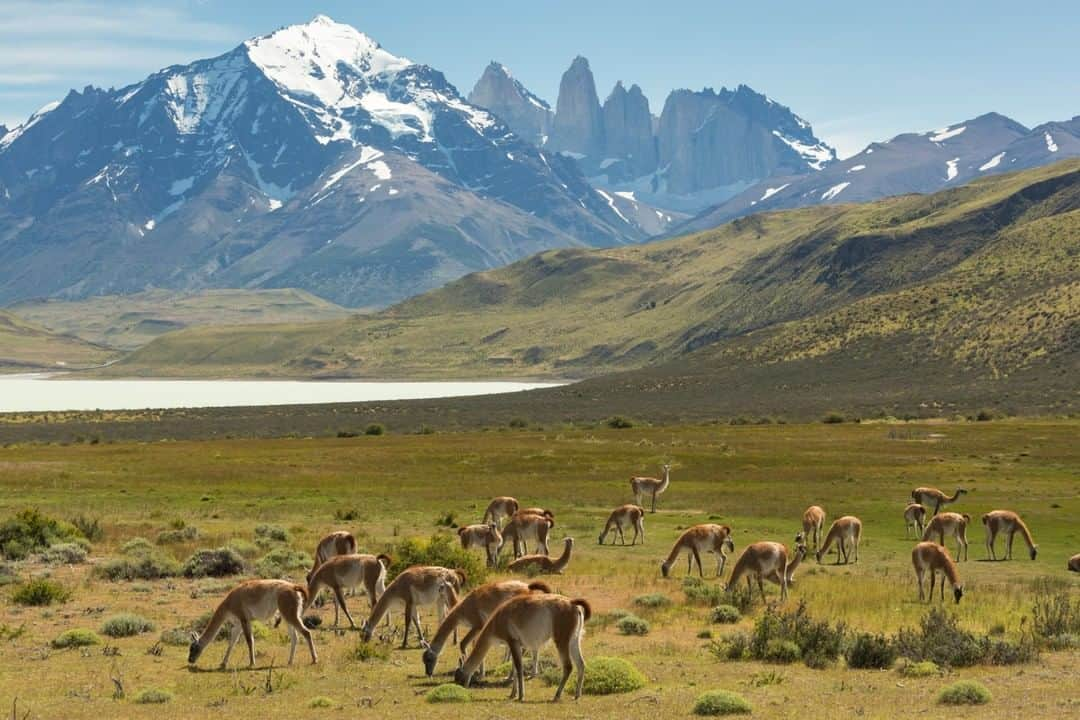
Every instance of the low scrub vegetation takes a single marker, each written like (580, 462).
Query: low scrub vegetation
(725, 614)
(40, 592)
(652, 601)
(76, 638)
(29, 531)
(965, 692)
(867, 651)
(448, 693)
(437, 550)
(816, 642)
(721, 702)
(940, 639)
(64, 554)
(126, 625)
(632, 625)
(283, 563)
(220, 562)
(153, 696)
(604, 676)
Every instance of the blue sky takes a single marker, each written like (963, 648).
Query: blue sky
(858, 71)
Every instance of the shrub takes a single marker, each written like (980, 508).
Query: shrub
(177, 535)
(274, 533)
(448, 693)
(965, 692)
(153, 696)
(322, 701)
(145, 567)
(348, 515)
(126, 625)
(280, 562)
(923, 669)
(7, 574)
(618, 422)
(438, 550)
(64, 554)
(178, 637)
(447, 519)
(365, 651)
(780, 651)
(726, 614)
(721, 702)
(652, 601)
(1054, 613)
(604, 676)
(819, 643)
(1007, 652)
(940, 638)
(518, 423)
(699, 592)
(735, 646)
(89, 527)
(79, 637)
(633, 625)
(871, 652)
(137, 546)
(40, 592)
(246, 548)
(29, 531)
(833, 418)
(374, 429)
(221, 562)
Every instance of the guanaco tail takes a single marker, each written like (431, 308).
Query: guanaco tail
(914, 518)
(846, 532)
(1010, 523)
(929, 556)
(650, 485)
(813, 520)
(484, 535)
(696, 540)
(347, 571)
(542, 563)
(625, 516)
(763, 560)
(416, 586)
(934, 498)
(949, 523)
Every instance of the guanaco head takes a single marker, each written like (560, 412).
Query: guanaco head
(461, 678)
(462, 579)
(729, 544)
(366, 631)
(958, 592)
(799, 538)
(665, 568)
(1034, 551)
(194, 650)
(430, 658)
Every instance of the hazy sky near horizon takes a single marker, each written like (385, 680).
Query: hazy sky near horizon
(858, 71)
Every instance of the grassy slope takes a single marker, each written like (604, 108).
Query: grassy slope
(580, 313)
(26, 347)
(130, 321)
(758, 479)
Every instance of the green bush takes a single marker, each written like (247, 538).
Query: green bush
(1054, 613)
(7, 574)
(139, 567)
(618, 422)
(448, 693)
(965, 692)
(321, 702)
(40, 592)
(780, 651)
(221, 562)
(609, 675)
(64, 554)
(274, 533)
(374, 429)
(632, 625)
(725, 614)
(282, 562)
(28, 531)
(735, 646)
(367, 651)
(442, 550)
(926, 668)
(137, 546)
(868, 651)
(247, 549)
(518, 423)
(126, 625)
(89, 527)
(79, 637)
(178, 535)
(721, 702)
(818, 642)
(699, 592)
(940, 639)
(833, 418)
(153, 696)
(652, 601)
(177, 637)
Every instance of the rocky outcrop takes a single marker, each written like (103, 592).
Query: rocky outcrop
(628, 132)
(578, 127)
(525, 113)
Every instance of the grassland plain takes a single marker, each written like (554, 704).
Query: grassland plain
(756, 478)
(26, 347)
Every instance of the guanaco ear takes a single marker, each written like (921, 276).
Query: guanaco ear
(194, 637)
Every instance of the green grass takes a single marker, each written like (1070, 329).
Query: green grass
(25, 347)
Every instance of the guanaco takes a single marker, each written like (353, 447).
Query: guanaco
(696, 540)
(484, 535)
(416, 586)
(543, 563)
(794, 560)
(347, 571)
(499, 508)
(949, 523)
(256, 600)
(625, 516)
(914, 518)
(524, 527)
(339, 542)
(932, 497)
(526, 622)
(1074, 563)
(651, 485)
(1008, 522)
(763, 560)
(846, 532)
(935, 558)
(474, 610)
(813, 520)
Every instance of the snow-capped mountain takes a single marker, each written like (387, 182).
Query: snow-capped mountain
(910, 163)
(309, 157)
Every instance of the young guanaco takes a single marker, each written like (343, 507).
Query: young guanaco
(483, 535)
(763, 560)
(934, 498)
(1008, 522)
(625, 516)
(542, 563)
(347, 571)
(499, 508)
(256, 600)
(696, 540)
(522, 528)
(914, 518)
(813, 520)
(949, 523)
(416, 586)
(929, 556)
(526, 622)
(650, 485)
(846, 532)
(794, 560)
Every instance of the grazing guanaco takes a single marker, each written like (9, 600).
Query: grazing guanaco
(914, 518)
(416, 586)
(250, 601)
(793, 562)
(500, 507)
(538, 511)
(484, 535)
(339, 542)
(1008, 522)
(524, 527)
(696, 540)
(949, 523)
(526, 622)
(1074, 563)
(846, 532)
(935, 558)
(932, 497)
(651, 485)
(763, 560)
(543, 563)
(474, 610)
(347, 571)
(813, 520)
(625, 516)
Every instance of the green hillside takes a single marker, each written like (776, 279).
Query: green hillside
(25, 348)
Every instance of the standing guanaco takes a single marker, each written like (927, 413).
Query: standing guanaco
(347, 571)
(474, 610)
(1074, 563)
(339, 542)
(543, 563)
(932, 497)
(651, 485)
(483, 535)
(696, 540)
(250, 601)
(846, 532)
(524, 527)
(935, 558)
(500, 507)
(1008, 522)
(949, 523)
(793, 562)
(526, 622)
(416, 586)
(763, 560)
(625, 516)
(813, 520)
(914, 518)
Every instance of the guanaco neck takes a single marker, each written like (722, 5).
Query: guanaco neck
(221, 614)
(448, 626)
(949, 568)
(481, 646)
(564, 559)
(1023, 528)
(675, 550)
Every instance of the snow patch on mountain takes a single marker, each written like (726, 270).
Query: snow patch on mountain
(834, 191)
(856, 168)
(769, 192)
(951, 171)
(1050, 144)
(816, 156)
(992, 162)
(945, 133)
(611, 201)
(13, 134)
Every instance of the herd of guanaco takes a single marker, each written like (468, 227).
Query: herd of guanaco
(524, 615)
